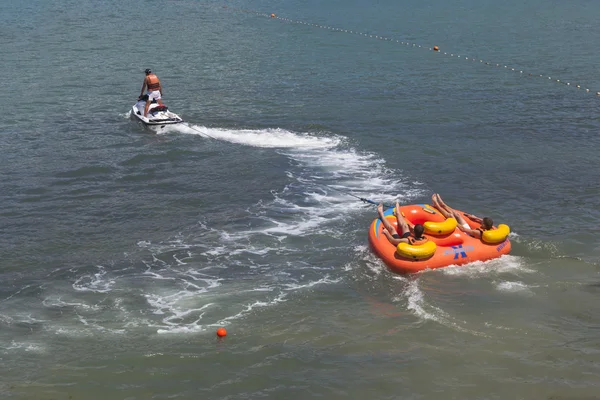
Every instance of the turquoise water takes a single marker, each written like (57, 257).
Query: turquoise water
(122, 251)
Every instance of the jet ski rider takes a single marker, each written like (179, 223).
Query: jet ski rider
(152, 83)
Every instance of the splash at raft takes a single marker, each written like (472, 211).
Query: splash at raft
(447, 245)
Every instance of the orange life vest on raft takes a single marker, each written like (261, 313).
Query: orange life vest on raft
(153, 82)
(481, 229)
(414, 241)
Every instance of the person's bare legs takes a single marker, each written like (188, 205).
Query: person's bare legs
(441, 203)
(387, 224)
(447, 211)
(459, 218)
(441, 206)
(455, 214)
(401, 222)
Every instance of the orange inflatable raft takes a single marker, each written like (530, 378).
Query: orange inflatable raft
(447, 244)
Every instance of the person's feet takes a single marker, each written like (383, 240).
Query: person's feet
(434, 200)
(441, 202)
(380, 210)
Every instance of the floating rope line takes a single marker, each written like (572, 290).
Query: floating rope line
(434, 48)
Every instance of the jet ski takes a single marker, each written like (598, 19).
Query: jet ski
(158, 116)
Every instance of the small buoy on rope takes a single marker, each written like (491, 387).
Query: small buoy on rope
(435, 48)
(272, 15)
(221, 332)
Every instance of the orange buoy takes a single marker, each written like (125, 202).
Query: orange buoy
(435, 48)
(221, 332)
(272, 15)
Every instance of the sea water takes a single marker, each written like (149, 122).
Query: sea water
(123, 251)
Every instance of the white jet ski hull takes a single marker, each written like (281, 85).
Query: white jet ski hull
(158, 117)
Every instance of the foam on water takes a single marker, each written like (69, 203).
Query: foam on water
(502, 265)
(323, 171)
(514, 287)
(57, 302)
(324, 281)
(24, 346)
(416, 303)
(269, 138)
(94, 283)
(249, 307)
(322, 159)
(184, 285)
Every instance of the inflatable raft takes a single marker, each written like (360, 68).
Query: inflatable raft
(447, 244)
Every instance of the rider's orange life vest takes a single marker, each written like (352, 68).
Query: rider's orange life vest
(153, 83)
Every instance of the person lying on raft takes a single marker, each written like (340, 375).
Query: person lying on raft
(405, 226)
(448, 212)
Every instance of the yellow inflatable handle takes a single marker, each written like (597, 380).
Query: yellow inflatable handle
(497, 235)
(416, 252)
(440, 228)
